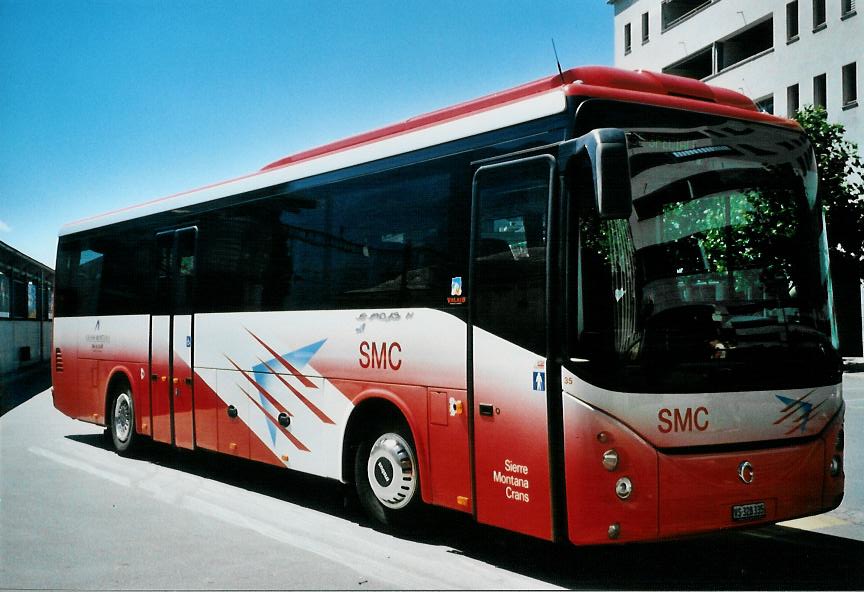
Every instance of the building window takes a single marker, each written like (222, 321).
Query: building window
(645, 31)
(791, 101)
(697, 65)
(5, 297)
(847, 8)
(850, 85)
(673, 12)
(745, 44)
(19, 299)
(32, 300)
(49, 304)
(818, 15)
(819, 91)
(765, 104)
(792, 21)
(627, 39)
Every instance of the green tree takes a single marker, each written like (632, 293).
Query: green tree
(841, 186)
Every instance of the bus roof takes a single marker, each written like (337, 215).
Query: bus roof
(592, 81)
(546, 96)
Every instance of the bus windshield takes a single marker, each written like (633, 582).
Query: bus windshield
(719, 280)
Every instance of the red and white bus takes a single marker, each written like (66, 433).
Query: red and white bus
(593, 308)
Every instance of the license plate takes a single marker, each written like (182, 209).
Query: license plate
(748, 511)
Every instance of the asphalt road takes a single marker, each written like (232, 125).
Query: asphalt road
(74, 515)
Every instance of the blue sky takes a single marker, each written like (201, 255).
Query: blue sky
(104, 104)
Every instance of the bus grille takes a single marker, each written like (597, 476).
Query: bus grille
(58, 360)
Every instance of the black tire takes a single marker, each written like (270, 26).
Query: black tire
(121, 419)
(391, 494)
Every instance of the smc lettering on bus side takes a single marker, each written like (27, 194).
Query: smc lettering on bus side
(383, 356)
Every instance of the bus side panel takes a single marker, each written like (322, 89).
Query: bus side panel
(265, 434)
(316, 366)
(182, 383)
(64, 370)
(160, 394)
(511, 437)
(118, 347)
(141, 393)
(259, 451)
(592, 504)
(232, 416)
(89, 404)
(448, 449)
(100, 345)
(207, 405)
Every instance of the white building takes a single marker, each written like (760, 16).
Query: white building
(781, 53)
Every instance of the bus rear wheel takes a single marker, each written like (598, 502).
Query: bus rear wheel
(121, 421)
(387, 478)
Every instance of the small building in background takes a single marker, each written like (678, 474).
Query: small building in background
(26, 310)
(783, 54)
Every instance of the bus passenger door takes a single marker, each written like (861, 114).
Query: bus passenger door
(509, 376)
(171, 347)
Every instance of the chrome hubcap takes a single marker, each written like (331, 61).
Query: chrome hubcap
(122, 416)
(392, 471)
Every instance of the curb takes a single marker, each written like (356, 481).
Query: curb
(853, 365)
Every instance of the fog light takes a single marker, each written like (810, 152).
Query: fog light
(610, 460)
(836, 466)
(623, 488)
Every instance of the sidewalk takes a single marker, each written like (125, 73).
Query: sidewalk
(21, 385)
(853, 365)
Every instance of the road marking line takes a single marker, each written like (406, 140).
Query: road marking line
(81, 466)
(814, 522)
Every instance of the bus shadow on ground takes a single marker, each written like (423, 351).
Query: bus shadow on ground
(19, 387)
(768, 557)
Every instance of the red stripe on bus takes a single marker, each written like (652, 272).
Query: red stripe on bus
(297, 443)
(321, 415)
(261, 389)
(306, 382)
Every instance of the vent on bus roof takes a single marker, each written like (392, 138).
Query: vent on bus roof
(58, 360)
(698, 98)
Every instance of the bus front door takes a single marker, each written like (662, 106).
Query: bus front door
(508, 371)
(171, 335)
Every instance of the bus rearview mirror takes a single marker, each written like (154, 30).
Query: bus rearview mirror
(610, 170)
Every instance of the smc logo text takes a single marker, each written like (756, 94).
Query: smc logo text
(676, 420)
(382, 356)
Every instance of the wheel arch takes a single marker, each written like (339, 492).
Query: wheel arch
(118, 375)
(376, 408)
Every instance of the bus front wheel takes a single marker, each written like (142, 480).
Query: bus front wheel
(122, 420)
(386, 476)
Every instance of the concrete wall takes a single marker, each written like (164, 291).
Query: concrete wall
(17, 334)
